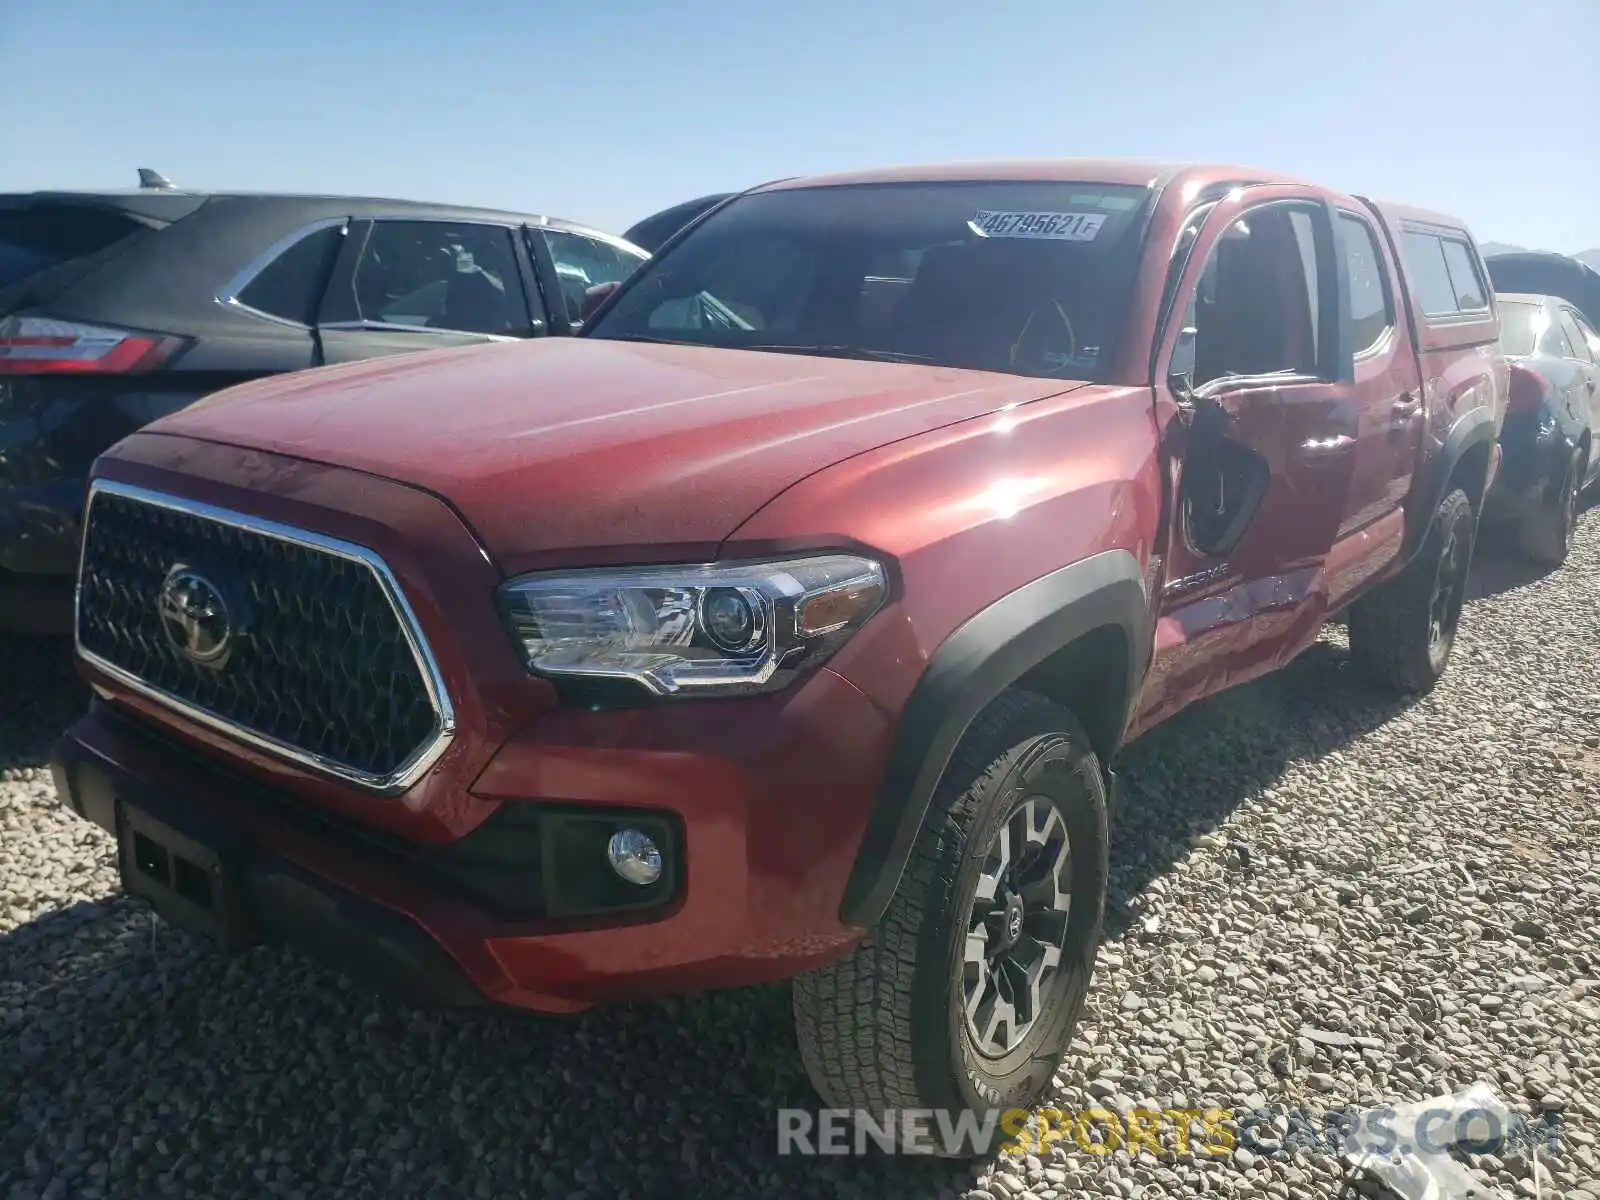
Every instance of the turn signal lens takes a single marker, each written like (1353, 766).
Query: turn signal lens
(837, 607)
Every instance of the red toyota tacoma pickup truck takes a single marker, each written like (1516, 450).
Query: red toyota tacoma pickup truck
(787, 622)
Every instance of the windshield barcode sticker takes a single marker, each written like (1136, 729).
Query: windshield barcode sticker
(1052, 226)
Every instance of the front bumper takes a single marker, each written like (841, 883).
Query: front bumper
(281, 899)
(763, 852)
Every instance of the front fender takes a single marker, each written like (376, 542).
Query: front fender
(987, 654)
(1475, 429)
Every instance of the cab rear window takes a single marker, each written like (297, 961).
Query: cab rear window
(42, 236)
(1444, 275)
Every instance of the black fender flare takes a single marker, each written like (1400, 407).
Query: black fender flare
(985, 655)
(1475, 429)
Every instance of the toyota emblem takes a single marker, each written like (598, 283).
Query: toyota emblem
(195, 617)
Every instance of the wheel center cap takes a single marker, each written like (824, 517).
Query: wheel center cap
(1014, 915)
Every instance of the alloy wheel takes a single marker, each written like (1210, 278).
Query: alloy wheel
(1017, 926)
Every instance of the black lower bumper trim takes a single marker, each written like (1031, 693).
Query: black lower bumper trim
(277, 900)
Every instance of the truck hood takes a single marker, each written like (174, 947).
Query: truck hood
(566, 445)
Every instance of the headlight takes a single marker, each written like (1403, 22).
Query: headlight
(717, 628)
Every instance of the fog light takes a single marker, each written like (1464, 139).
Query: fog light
(634, 857)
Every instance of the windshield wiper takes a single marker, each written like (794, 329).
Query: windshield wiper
(640, 337)
(843, 352)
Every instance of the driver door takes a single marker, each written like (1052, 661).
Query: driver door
(1261, 439)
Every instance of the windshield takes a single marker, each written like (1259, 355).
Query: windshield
(1520, 327)
(1021, 277)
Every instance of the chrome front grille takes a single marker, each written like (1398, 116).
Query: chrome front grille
(299, 644)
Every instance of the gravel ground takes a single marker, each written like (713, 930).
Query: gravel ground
(1415, 887)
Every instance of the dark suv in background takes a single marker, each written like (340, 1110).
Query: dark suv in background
(1543, 273)
(119, 307)
(652, 232)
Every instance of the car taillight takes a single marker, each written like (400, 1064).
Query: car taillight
(47, 346)
(1528, 390)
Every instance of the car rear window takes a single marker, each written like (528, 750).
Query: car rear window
(46, 235)
(1024, 277)
(1520, 327)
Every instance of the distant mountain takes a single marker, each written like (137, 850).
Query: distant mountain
(1589, 258)
(1489, 248)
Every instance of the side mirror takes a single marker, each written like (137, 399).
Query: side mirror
(593, 298)
(1180, 372)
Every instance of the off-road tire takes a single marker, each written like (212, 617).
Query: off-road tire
(884, 1028)
(1545, 536)
(1391, 640)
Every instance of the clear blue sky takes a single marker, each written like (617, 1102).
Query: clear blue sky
(607, 110)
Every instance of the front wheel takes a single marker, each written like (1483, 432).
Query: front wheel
(964, 997)
(1402, 634)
